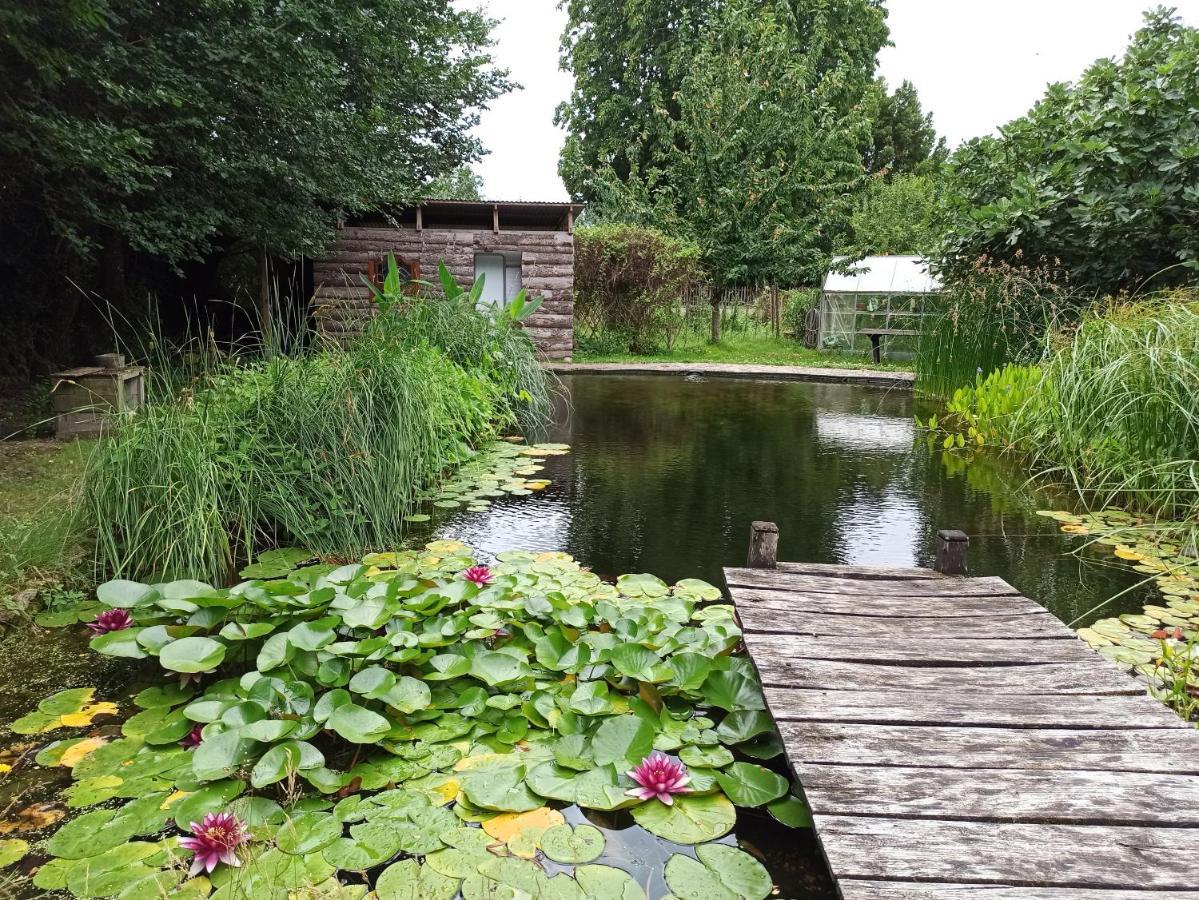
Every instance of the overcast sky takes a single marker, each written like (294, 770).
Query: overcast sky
(976, 64)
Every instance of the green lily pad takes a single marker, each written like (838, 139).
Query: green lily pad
(12, 850)
(409, 880)
(791, 811)
(308, 833)
(690, 819)
(607, 883)
(750, 785)
(720, 873)
(192, 654)
(572, 846)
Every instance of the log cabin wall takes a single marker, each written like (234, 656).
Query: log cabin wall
(341, 299)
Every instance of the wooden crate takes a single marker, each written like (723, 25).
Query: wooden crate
(84, 399)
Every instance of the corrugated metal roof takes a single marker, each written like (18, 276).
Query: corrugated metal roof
(884, 275)
(560, 203)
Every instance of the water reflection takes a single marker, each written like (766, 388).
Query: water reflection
(666, 474)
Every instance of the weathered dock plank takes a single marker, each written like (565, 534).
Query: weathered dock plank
(783, 580)
(1061, 796)
(771, 603)
(853, 889)
(1165, 751)
(920, 651)
(980, 708)
(999, 627)
(1034, 678)
(957, 742)
(1016, 854)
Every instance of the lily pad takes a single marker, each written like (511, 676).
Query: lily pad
(572, 846)
(749, 785)
(690, 819)
(720, 873)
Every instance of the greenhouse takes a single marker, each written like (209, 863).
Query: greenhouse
(876, 303)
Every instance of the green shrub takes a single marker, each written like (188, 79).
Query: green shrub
(1098, 178)
(629, 282)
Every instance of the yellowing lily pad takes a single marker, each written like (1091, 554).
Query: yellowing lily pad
(506, 826)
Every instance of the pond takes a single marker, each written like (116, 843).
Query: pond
(664, 476)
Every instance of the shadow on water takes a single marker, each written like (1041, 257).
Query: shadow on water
(665, 476)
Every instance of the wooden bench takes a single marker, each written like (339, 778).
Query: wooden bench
(877, 334)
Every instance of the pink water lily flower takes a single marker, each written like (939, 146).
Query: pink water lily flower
(659, 776)
(480, 575)
(194, 738)
(111, 620)
(215, 840)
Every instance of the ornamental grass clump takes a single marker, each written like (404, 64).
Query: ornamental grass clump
(327, 447)
(356, 725)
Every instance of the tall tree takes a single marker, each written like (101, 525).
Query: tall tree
(171, 126)
(902, 136)
(461, 184)
(1100, 178)
(741, 136)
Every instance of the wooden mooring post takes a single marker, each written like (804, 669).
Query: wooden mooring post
(951, 552)
(763, 545)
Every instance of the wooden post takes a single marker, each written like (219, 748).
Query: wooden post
(763, 545)
(495, 218)
(570, 220)
(951, 552)
(420, 219)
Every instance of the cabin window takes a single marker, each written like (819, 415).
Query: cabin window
(501, 276)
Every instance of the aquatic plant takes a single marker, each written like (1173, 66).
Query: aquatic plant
(214, 840)
(659, 777)
(111, 620)
(364, 718)
(1160, 645)
(478, 575)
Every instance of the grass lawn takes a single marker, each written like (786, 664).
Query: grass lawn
(751, 349)
(37, 482)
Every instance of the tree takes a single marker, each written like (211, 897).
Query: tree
(897, 216)
(1100, 178)
(746, 130)
(172, 126)
(902, 136)
(461, 184)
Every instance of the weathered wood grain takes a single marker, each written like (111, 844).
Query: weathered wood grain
(981, 708)
(767, 648)
(869, 573)
(780, 580)
(1061, 796)
(776, 602)
(1009, 854)
(1034, 678)
(1161, 750)
(853, 889)
(887, 628)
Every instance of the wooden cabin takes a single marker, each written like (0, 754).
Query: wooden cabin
(514, 244)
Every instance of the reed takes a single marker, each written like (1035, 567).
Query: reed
(323, 446)
(1119, 414)
(997, 314)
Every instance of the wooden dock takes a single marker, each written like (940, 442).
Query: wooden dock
(957, 742)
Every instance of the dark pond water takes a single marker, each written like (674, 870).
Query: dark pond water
(664, 476)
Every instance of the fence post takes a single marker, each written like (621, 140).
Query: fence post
(951, 552)
(763, 545)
